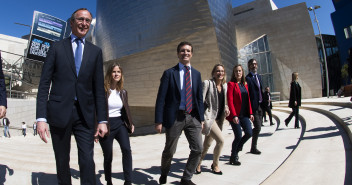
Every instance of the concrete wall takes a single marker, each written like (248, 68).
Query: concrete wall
(142, 71)
(291, 40)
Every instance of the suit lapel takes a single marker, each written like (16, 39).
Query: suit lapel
(177, 77)
(194, 81)
(69, 53)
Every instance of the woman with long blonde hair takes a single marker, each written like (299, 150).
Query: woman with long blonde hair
(216, 109)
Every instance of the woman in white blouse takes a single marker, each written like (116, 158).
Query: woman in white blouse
(120, 123)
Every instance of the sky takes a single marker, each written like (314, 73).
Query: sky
(21, 11)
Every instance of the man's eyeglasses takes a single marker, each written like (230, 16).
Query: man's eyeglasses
(81, 19)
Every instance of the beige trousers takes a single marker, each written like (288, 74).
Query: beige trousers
(215, 133)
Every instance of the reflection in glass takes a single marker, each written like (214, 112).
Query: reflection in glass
(259, 50)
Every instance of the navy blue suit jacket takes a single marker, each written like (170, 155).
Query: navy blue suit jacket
(169, 98)
(59, 71)
(254, 90)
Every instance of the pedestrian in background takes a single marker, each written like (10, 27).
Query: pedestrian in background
(6, 124)
(295, 100)
(35, 128)
(24, 128)
(267, 105)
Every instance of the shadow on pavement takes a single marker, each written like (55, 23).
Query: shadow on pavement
(3, 170)
(41, 178)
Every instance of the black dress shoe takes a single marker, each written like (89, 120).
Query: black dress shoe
(186, 182)
(255, 151)
(272, 124)
(234, 161)
(162, 179)
(286, 123)
(198, 172)
(214, 172)
(262, 124)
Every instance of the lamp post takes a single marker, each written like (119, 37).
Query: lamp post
(323, 48)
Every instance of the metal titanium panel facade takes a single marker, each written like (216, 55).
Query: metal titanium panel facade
(143, 35)
(127, 27)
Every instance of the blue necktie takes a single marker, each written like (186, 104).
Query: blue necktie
(188, 90)
(78, 54)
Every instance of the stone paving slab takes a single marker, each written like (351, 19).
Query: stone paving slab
(30, 161)
(318, 159)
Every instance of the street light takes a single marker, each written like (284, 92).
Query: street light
(323, 48)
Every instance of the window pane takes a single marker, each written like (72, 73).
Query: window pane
(261, 45)
(255, 47)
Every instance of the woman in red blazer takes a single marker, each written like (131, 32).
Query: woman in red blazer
(240, 111)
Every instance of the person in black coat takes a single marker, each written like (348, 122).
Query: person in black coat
(295, 100)
(267, 105)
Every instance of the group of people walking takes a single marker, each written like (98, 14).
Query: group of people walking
(183, 104)
(75, 98)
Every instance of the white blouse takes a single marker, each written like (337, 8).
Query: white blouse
(115, 104)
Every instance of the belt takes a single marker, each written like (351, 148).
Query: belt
(184, 112)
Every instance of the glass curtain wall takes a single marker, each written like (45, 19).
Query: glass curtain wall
(259, 50)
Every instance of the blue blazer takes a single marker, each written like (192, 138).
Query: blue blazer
(59, 71)
(254, 90)
(169, 98)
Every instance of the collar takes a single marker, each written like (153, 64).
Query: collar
(74, 37)
(253, 73)
(181, 66)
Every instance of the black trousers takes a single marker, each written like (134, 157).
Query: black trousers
(295, 112)
(268, 110)
(118, 131)
(257, 126)
(61, 139)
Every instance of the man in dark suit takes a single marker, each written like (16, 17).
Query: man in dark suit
(3, 101)
(254, 82)
(71, 99)
(179, 106)
(267, 105)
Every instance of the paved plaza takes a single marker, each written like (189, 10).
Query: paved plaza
(319, 152)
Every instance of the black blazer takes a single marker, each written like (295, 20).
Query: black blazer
(266, 100)
(3, 100)
(295, 95)
(59, 71)
(169, 98)
(254, 90)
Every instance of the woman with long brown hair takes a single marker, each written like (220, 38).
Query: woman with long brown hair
(240, 112)
(120, 123)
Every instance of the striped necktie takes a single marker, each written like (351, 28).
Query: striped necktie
(188, 90)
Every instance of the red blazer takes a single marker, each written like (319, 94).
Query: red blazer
(235, 100)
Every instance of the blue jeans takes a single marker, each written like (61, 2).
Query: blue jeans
(239, 141)
(6, 131)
